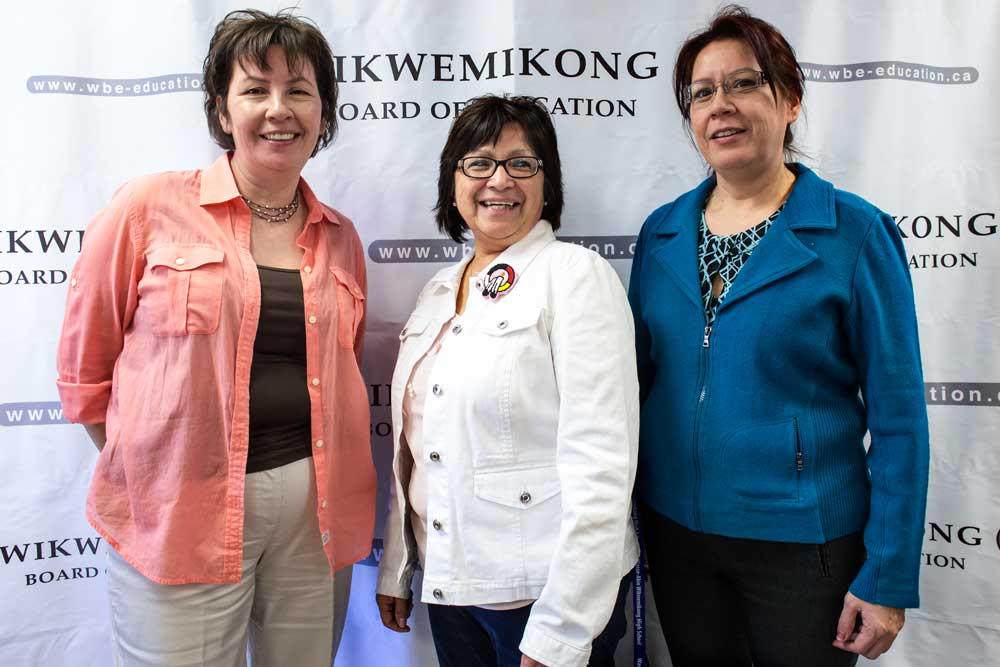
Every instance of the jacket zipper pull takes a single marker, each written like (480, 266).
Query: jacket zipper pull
(799, 463)
(708, 332)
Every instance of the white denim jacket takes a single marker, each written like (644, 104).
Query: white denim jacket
(530, 438)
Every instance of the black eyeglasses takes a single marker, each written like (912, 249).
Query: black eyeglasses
(519, 166)
(740, 82)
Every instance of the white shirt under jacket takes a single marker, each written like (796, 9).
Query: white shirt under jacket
(530, 438)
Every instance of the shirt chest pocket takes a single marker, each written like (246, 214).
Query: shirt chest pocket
(411, 334)
(509, 378)
(182, 289)
(514, 328)
(350, 306)
(412, 343)
(515, 343)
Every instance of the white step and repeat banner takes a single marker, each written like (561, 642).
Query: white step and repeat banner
(900, 107)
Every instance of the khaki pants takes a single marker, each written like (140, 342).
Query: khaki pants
(283, 612)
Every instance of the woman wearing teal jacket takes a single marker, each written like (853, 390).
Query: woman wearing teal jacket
(775, 326)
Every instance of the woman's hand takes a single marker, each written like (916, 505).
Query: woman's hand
(394, 612)
(878, 628)
(529, 662)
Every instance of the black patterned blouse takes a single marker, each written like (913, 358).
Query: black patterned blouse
(724, 256)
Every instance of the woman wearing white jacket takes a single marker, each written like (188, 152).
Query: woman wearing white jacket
(515, 417)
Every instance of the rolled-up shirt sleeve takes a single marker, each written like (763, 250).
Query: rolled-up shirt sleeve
(102, 297)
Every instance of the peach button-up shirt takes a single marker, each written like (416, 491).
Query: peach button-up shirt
(157, 343)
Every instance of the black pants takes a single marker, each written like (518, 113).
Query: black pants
(735, 603)
(475, 637)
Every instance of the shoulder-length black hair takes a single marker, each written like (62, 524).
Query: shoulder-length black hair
(480, 122)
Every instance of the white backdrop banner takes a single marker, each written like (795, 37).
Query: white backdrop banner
(900, 105)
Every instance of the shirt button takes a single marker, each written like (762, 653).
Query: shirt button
(312, 319)
(179, 261)
(319, 443)
(435, 457)
(307, 268)
(437, 524)
(525, 498)
(438, 594)
(315, 382)
(457, 329)
(502, 324)
(403, 332)
(436, 389)
(73, 282)
(323, 504)
(325, 537)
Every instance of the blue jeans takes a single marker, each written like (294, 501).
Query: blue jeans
(476, 637)
(735, 602)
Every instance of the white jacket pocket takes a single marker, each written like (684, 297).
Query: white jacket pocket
(515, 522)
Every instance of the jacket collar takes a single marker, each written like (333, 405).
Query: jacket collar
(518, 256)
(810, 206)
(219, 186)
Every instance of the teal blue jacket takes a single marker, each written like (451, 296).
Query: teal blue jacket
(755, 428)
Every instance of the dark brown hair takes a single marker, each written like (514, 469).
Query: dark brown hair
(480, 122)
(244, 37)
(774, 54)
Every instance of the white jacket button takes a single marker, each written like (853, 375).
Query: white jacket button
(435, 457)
(436, 389)
(438, 594)
(525, 497)
(437, 524)
(502, 324)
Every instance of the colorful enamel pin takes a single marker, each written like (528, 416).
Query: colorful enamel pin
(499, 280)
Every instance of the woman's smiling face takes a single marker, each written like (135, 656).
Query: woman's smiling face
(500, 210)
(274, 116)
(738, 132)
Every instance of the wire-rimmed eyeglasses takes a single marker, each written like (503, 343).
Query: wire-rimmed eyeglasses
(519, 166)
(740, 82)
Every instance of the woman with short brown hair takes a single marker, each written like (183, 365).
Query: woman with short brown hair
(211, 347)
